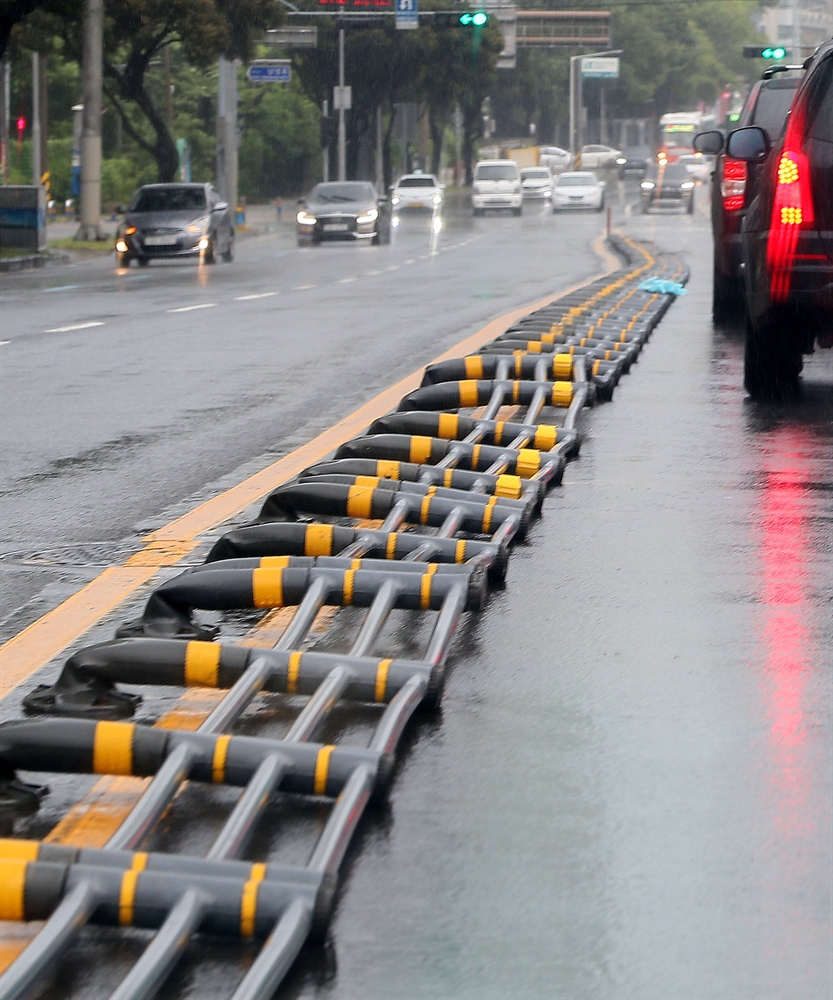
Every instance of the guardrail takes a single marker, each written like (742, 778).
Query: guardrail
(452, 491)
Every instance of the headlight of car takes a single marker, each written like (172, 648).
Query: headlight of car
(395, 199)
(305, 219)
(199, 225)
(437, 199)
(620, 160)
(647, 185)
(366, 217)
(687, 185)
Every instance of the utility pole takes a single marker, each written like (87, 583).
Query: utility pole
(227, 132)
(380, 164)
(91, 127)
(36, 142)
(325, 160)
(342, 131)
(5, 83)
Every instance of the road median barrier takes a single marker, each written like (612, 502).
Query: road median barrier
(417, 517)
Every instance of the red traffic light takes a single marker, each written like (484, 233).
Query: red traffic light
(21, 123)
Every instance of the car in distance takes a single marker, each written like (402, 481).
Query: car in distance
(417, 190)
(697, 165)
(536, 182)
(175, 220)
(496, 184)
(594, 157)
(668, 185)
(578, 189)
(343, 210)
(553, 157)
(633, 159)
(787, 236)
(735, 185)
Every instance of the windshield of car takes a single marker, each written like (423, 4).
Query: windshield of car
(535, 172)
(637, 152)
(346, 192)
(772, 106)
(426, 180)
(168, 199)
(671, 172)
(496, 172)
(576, 180)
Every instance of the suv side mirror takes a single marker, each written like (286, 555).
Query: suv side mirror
(710, 143)
(221, 206)
(749, 143)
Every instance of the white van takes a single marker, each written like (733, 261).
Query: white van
(496, 184)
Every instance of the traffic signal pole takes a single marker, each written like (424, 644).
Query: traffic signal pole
(342, 131)
(91, 123)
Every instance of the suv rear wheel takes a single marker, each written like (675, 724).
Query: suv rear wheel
(772, 358)
(727, 296)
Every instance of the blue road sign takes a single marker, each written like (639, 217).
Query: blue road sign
(270, 74)
(407, 14)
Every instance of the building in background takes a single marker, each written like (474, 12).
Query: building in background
(799, 25)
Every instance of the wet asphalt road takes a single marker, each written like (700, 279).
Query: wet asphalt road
(627, 793)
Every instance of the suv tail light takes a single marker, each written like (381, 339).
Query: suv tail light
(733, 185)
(792, 208)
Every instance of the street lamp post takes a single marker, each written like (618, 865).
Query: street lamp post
(342, 132)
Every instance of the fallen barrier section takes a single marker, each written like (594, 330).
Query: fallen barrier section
(454, 475)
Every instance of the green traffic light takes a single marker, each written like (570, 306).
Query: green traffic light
(478, 19)
(776, 52)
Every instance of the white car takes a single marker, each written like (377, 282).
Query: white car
(593, 157)
(536, 182)
(697, 166)
(554, 157)
(578, 189)
(496, 184)
(417, 191)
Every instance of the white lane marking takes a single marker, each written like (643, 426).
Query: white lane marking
(75, 326)
(372, 274)
(343, 281)
(424, 256)
(186, 309)
(4, 342)
(302, 288)
(60, 288)
(394, 268)
(411, 261)
(259, 295)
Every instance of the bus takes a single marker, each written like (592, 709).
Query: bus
(677, 131)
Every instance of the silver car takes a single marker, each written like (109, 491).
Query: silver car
(536, 182)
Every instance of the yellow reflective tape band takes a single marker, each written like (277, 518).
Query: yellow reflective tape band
(18, 850)
(267, 588)
(474, 366)
(475, 455)
(347, 587)
(359, 501)
(562, 393)
(274, 562)
(382, 679)
(248, 900)
(322, 770)
(498, 435)
(140, 861)
(420, 450)
(528, 462)
(293, 668)
(596, 365)
(218, 760)
(509, 486)
(13, 888)
(534, 346)
(390, 546)
(448, 477)
(318, 540)
(562, 366)
(355, 564)
(487, 513)
(545, 438)
(366, 481)
(202, 664)
(447, 425)
(425, 587)
(127, 894)
(607, 355)
(468, 393)
(113, 748)
(425, 506)
(516, 391)
(519, 366)
(387, 470)
(460, 552)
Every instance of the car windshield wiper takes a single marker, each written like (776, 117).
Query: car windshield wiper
(336, 197)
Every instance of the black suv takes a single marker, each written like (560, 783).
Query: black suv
(734, 185)
(787, 235)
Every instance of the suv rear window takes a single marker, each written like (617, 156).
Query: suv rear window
(496, 172)
(773, 105)
(821, 105)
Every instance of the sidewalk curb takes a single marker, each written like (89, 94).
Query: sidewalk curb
(53, 258)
